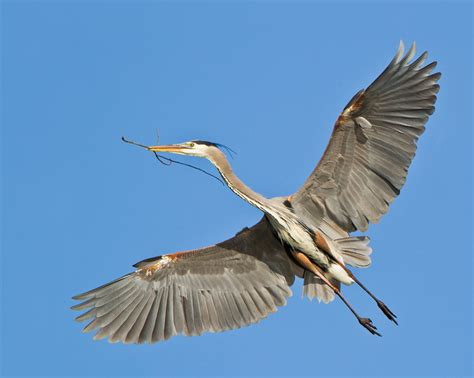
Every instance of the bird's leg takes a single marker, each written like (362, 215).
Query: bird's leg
(322, 244)
(388, 313)
(306, 263)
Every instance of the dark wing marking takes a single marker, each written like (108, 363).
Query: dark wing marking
(373, 143)
(226, 286)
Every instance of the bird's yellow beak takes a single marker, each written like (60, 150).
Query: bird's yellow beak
(173, 148)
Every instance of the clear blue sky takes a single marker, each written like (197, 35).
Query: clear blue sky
(268, 79)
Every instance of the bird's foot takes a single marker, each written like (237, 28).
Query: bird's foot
(367, 323)
(389, 314)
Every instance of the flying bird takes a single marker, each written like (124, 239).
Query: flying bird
(307, 234)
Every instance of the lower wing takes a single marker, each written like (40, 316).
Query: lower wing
(226, 286)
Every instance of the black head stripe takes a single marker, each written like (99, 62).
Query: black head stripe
(205, 142)
(217, 145)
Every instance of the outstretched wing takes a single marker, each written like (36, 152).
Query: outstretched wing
(373, 143)
(226, 286)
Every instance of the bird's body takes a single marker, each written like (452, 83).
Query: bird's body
(287, 224)
(242, 280)
(289, 227)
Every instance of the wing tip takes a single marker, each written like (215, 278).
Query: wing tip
(411, 52)
(80, 297)
(398, 54)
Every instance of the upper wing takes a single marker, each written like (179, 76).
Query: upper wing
(226, 286)
(372, 145)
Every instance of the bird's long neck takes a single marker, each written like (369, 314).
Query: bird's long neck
(235, 184)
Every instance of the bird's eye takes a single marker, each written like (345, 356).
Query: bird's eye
(191, 144)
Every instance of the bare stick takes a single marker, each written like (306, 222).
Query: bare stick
(134, 143)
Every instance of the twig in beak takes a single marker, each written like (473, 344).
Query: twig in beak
(167, 161)
(134, 143)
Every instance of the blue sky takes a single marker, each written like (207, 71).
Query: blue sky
(268, 79)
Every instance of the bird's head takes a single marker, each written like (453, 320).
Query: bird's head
(200, 148)
(197, 148)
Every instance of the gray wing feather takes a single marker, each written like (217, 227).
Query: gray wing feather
(134, 333)
(373, 143)
(147, 331)
(226, 286)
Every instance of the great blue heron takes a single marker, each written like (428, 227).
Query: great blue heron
(243, 279)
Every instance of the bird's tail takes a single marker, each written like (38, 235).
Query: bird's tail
(355, 250)
(314, 287)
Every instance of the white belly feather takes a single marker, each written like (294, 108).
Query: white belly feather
(297, 237)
